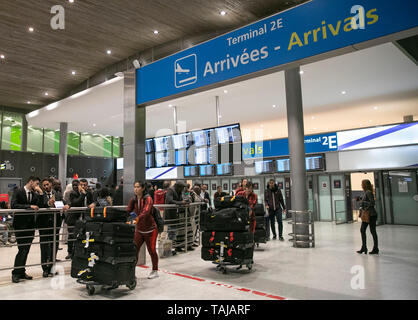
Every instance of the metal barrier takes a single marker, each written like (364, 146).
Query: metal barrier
(188, 219)
(180, 224)
(302, 219)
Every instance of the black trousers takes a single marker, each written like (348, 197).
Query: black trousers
(363, 229)
(276, 215)
(23, 248)
(47, 237)
(72, 218)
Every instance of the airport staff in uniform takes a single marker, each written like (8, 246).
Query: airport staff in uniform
(28, 197)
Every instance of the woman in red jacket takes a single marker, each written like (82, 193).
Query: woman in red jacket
(252, 199)
(146, 228)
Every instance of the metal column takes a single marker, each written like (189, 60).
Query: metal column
(218, 111)
(299, 194)
(176, 124)
(62, 160)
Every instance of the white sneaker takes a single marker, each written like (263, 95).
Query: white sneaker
(153, 274)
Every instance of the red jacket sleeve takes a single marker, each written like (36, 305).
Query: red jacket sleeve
(145, 221)
(131, 206)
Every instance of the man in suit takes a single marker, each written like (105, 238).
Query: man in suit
(205, 195)
(27, 198)
(79, 197)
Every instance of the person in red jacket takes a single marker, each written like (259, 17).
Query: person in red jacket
(146, 229)
(252, 199)
(159, 195)
(241, 187)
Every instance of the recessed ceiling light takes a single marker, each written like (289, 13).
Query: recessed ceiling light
(220, 116)
(156, 32)
(222, 13)
(31, 29)
(28, 102)
(94, 124)
(274, 106)
(301, 72)
(73, 73)
(375, 108)
(225, 91)
(2, 56)
(313, 117)
(343, 92)
(71, 1)
(46, 93)
(109, 51)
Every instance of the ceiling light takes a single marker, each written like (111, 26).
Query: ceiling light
(343, 92)
(301, 72)
(222, 13)
(71, 1)
(375, 108)
(313, 117)
(225, 91)
(94, 124)
(2, 56)
(28, 102)
(170, 105)
(31, 29)
(109, 51)
(274, 106)
(73, 73)
(46, 93)
(33, 114)
(155, 31)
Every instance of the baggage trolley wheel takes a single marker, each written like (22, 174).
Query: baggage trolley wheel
(249, 266)
(218, 267)
(257, 244)
(90, 289)
(132, 285)
(223, 269)
(239, 268)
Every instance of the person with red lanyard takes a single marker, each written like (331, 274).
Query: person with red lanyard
(252, 198)
(146, 229)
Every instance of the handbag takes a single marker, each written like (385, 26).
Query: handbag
(365, 216)
(158, 219)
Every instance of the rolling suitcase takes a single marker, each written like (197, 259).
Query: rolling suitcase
(77, 265)
(105, 214)
(239, 240)
(114, 274)
(233, 256)
(260, 223)
(230, 202)
(116, 253)
(108, 232)
(259, 210)
(229, 219)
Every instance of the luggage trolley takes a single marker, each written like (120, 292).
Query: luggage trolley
(92, 285)
(221, 265)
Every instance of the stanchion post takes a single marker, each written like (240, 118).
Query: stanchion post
(185, 225)
(54, 243)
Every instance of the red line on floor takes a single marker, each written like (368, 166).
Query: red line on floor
(259, 293)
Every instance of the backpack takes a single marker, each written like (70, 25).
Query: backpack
(158, 219)
(159, 196)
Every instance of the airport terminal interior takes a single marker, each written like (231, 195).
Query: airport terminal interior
(85, 104)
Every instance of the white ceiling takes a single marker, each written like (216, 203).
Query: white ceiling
(381, 86)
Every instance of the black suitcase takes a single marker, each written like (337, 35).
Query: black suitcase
(116, 253)
(229, 219)
(240, 240)
(110, 233)
(105, 214)
(235, 256)
(77, 265)
(260, 236)
(230, 202)
(260, 223)
(259, 210)
(114, 274)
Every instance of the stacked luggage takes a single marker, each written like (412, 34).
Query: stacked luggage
(104, 249)
(226, 238)
(260, 234)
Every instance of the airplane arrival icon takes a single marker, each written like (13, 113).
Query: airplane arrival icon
(185, 71)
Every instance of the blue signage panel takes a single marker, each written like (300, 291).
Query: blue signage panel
(307, 30)
(277, 148)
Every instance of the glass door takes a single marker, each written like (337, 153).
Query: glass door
(325, 209)
(309, 186)
(338, 198)
(404, 197)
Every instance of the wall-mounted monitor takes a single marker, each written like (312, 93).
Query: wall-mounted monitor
(200, 138)
(119, 164)
(181, 157)
(149, 146)
(150, 160)
(206, 171)
(182, 141)
(228, 134)
(224, 169)
(283, 165)
(313, 163)
(163, 143)
(191, 171)
(201, 155)
(266, 166)
(161, 159)
(213, 155)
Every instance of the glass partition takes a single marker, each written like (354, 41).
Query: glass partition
(35, 139)
(12, 131)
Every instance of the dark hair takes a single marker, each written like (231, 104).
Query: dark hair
(104, 192)
(367, 184)
(98, 185)
(33, 178)
(249, 184)
(46, 179)
(76, 181)
(166, 185)
(84, 180)
(144, 186)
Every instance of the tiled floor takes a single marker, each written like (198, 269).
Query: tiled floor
(327, 271)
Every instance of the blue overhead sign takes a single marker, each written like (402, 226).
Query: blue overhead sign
(307, 30)
(277, 148)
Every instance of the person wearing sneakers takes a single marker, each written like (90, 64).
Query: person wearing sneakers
(146, 229)
(273, 198)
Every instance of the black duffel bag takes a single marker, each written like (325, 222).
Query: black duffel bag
(114, 232)
(105, 214)
(240, 240)
(230, 202)
(260, 223)
(259, 210)
(229, 219)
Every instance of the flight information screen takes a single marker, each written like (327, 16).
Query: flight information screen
(181, 141)
(200, 138)
(149, 146)
(283, 165)
(201, 155)
(228, 134)
(207, 170)
(163, 144)
(161, 159)
(181, 157)
(191, 171)
(264, 166)
(224, 169)
(150, 160)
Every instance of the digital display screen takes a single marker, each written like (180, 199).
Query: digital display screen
(224, 169)
(229, 134)
(213, 155)
(264, 166)
(283, 165)
(191, 171)
(200, 138)
(206, 170)
(181, 157)
(163, 144)
(149, 145)
(312, 164)
(171, 157)
(150, 160)
(222, 135)
(161, 159)
(201, 155)
(182, 141)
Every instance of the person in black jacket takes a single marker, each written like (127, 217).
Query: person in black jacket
(219, 193)
(367, 204)
(28, 197)
(274, 204)
(118, 198)
(79, 197)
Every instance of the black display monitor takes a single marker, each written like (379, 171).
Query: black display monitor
(181, 157)
(283, 165)
(206, 171)
(191, 171)
(150, 160)
(224, 169)
(266, 166)
(149, 146)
